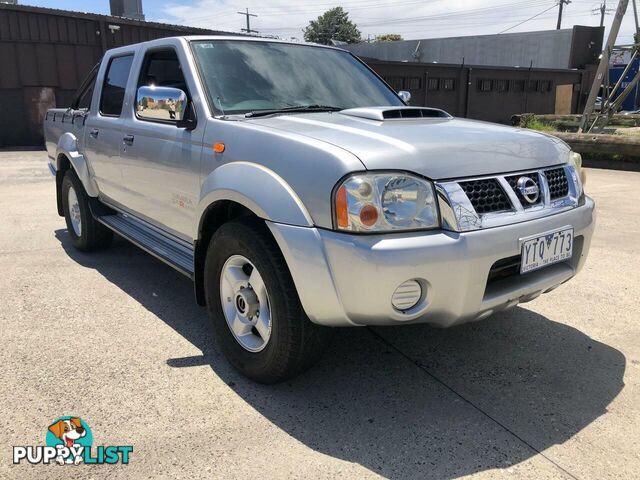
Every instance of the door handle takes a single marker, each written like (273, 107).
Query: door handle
(94, 133)
(128, 139)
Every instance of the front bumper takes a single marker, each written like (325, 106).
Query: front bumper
(346, 280)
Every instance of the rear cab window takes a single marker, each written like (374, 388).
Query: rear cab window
(114, 86)
(84, 95)
(84, 100)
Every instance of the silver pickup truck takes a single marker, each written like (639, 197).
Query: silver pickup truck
(299, 192)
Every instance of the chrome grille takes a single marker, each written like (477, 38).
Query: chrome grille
(513, 183)
(558, 183)
(485, 202)
(486, 195)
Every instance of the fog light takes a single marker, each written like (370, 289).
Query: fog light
(407, 295)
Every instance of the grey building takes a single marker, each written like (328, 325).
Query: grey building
(46, 53)
(127, 9)
(557, 49)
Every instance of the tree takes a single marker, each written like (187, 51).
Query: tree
(389, 37)
(333, 24)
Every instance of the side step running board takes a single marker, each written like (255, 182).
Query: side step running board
(174, 252)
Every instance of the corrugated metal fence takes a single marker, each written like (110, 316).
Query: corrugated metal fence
(487, 93)
(45, 54)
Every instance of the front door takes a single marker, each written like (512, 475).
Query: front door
(161, 161)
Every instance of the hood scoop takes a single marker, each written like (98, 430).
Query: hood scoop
(395, 113)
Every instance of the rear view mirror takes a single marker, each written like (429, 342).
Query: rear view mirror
(161, 104)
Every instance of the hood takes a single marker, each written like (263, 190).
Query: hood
(437, 148)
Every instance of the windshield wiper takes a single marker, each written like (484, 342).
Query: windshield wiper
(295, 109)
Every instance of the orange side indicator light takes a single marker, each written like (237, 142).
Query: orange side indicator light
(342, 213)
(218, 147)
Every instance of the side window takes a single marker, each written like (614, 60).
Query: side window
(114, 85)
(162, 69)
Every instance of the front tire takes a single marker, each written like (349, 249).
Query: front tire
(86, 232)
(259, 322)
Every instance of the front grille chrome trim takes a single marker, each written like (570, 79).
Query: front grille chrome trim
(459, 215)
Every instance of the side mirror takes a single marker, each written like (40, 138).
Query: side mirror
(404, 96)
(164, 104)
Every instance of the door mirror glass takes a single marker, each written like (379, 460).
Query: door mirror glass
(165, 104)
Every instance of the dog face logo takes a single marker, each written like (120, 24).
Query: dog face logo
(69, 431)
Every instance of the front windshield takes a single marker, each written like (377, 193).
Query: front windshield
(244, 76)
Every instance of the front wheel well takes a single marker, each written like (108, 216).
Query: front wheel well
(216, 215)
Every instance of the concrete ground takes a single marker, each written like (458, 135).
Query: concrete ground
(548, 390)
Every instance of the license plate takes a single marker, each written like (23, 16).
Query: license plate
(546, 249)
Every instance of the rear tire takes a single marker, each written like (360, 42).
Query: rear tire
(288, 343)
(86, 232)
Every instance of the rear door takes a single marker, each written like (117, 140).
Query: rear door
(161, 161)
(103, 126)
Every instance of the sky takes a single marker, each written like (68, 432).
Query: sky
(412, 19)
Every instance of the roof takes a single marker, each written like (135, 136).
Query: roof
(253, 38)
(112, 19)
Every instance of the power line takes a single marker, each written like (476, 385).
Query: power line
(525, 21)
(446, 24)
(457, 14)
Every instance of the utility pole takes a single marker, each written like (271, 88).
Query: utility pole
(248, 15)
(561, 4)
(603, 67)
(602, 10)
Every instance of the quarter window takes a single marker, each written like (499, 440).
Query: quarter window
(114, 85)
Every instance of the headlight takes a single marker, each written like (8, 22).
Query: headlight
(575, 159)
(578, 174)
(380, 202)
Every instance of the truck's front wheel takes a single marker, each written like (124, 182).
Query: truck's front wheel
(86, 232)
(258, 319)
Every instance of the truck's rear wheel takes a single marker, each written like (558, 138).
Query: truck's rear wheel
(259, 322)
(85, 232)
